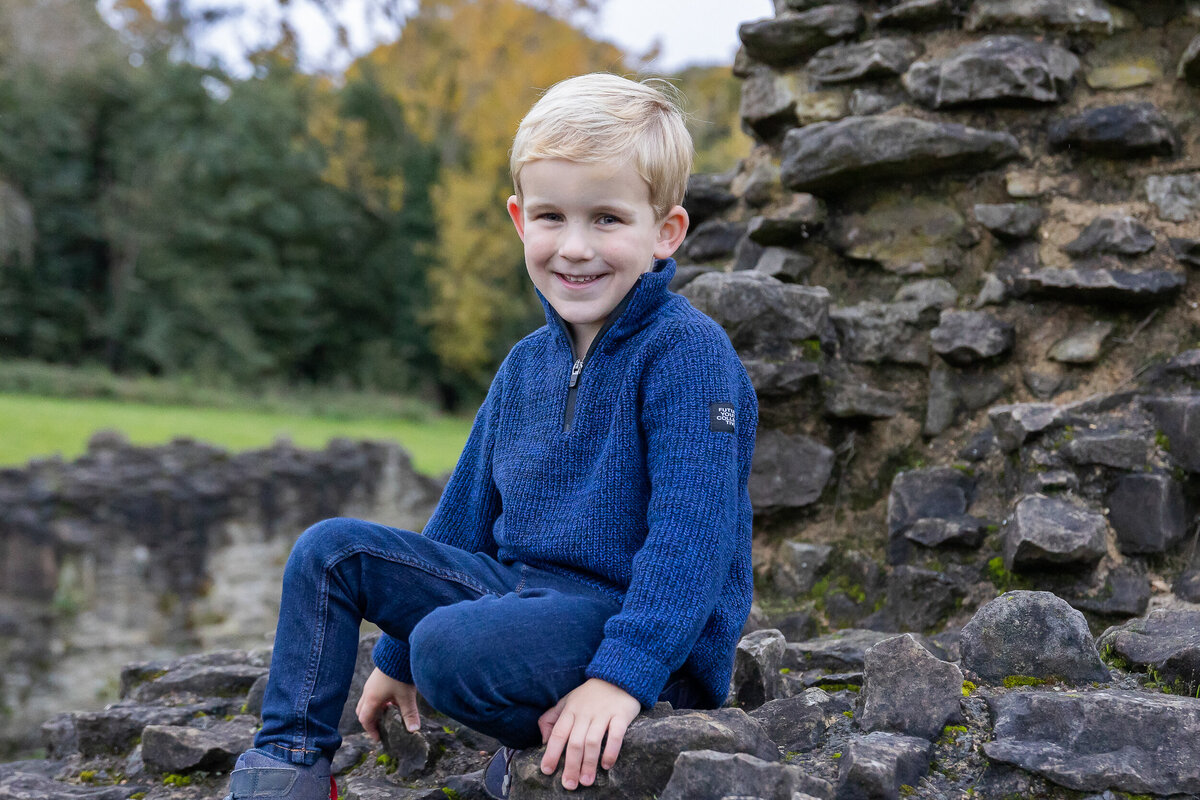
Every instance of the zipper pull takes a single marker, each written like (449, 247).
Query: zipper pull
(576, 368)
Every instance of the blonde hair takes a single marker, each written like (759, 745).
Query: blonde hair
(603, 117)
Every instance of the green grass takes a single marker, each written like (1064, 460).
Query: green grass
(37, 427)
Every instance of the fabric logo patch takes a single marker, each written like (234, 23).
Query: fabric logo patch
(722, 417)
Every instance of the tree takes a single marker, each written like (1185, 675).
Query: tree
(466, 71)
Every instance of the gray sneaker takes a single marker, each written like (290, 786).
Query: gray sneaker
(258, 776)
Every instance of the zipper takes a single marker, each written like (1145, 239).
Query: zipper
(578, 364)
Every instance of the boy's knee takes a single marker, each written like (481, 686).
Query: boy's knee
(446, 664)
(327, 537)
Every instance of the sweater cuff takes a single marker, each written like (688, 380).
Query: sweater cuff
(391, 658)
(634, 670)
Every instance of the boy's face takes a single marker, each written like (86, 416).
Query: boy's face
(589, 232)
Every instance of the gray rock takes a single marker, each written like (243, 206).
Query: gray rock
(919, 599)
(789, 471)
(842, 651)
(936, 293)
(1082, 345)
(768, 104)
(874, 58)
(1189, 63)
(685, 274)
(857, 150)
(795, 724)
(1110, 446)
(746, 254)
(1047, 530)
(792, 37)
(964, 531)
(1123, 592)
(783, 264)
(409, 751)
(848, 396)
(776, 376)
(709, 775)
(876, 333)
(1187, 251)
(965, 337)
(715, 239)
(906, 690)
(993, 293)
(1081, 15)
(1105, 282)
(903, 234)
(648, 754)
(1010, 220)
(1136, 742)
(798, 566)
(1178, 420)
(1015, 424)
(1129, 130)
(112, 730)
(755, 309)
(1187, 586)
(939, 493)
(953, 390)
(868, 100)
(756, 664)
(1177, 197)
(790, 226)
(1031, 634)
(175, 749)
(996, 69)
(707, 196)
(796, 626)
(31, 786)
(1112, 233)
(879, 764)
(201, 680)
(1167, 640)
(916, 14)
(1148, 513)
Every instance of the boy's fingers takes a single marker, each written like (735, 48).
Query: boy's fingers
(616, 734)
(546, 723)
(573, 759)
(409, 712)
(591, 752)
(556, 742)
(368, 713)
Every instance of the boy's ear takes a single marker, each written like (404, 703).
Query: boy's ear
(517, 214)
(671, 230)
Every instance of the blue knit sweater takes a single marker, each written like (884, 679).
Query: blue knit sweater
(633, 481)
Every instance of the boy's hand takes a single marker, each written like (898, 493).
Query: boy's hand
(579, 722)
(378, 693)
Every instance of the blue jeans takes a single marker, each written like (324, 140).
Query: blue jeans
(492, 645)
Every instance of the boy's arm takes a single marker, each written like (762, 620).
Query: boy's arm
(464, 515)
(693, 393)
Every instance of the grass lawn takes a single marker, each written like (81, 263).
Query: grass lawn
(36, 427)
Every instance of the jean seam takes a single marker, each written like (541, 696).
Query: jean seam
(327, 566)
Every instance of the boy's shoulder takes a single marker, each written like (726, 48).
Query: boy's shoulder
(679, 322)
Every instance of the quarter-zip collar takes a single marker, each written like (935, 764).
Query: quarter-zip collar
(632, 314)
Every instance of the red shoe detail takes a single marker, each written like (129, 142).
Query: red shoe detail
(333, 795)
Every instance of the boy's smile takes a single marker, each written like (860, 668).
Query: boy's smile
(589, 232)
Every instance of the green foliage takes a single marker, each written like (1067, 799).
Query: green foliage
(1001, 577)
(1013, 681)
(87, 776)
(968, 687)
(174, 779)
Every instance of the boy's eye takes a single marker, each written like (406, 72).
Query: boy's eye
(550, 216)
(608, 219)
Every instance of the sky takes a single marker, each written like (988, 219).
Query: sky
(688, 31)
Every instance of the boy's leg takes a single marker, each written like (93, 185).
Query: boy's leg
(498, 663)
(342, 571)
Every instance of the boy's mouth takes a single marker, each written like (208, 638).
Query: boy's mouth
(578, 280)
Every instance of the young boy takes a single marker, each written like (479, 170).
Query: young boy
(591, 553)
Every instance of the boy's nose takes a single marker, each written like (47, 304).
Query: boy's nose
(575, 246)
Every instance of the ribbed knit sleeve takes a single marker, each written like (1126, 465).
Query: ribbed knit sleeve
(692, 515)
(463, 517)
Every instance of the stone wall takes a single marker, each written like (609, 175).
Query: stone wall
(133, 553)
(957, 265)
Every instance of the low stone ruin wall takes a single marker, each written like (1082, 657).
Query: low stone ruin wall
(135, 552)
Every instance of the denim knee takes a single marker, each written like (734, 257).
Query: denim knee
(446, 665)
(315, 546)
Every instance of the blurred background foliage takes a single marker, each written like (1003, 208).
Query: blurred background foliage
(159, 217)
